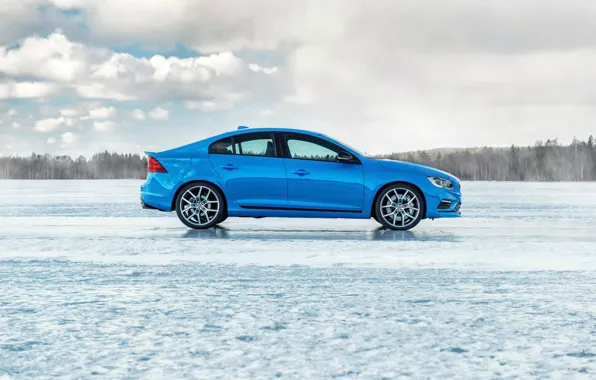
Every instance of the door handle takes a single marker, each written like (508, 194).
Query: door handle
(301, 172)
(229, 167)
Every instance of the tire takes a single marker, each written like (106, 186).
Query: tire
(200, 205)
(399, 207)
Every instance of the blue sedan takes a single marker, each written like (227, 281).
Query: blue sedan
(293, 173)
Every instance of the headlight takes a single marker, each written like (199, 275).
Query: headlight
(441, 182)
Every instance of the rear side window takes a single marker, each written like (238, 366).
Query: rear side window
(225, 146)
(249, 144)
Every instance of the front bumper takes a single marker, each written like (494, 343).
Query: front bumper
(443, 203)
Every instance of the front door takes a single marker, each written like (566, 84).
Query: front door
(316, 181)
(252, 172)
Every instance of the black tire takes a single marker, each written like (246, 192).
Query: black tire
(400, 189)
(208, 193)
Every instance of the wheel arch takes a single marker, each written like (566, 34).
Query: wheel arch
(182, 186)
(373, 210)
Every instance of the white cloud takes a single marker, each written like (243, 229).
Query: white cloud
(51, 141)
(69, 112)
(356, 69)
(99, 73)
(12, 112)
(102, 113)
(104, 126)
(258, 69)
(70, 122)
(209, 105)
(159, 113)
(48, 125)
(138, 114)
(16, 125)
(67, 138)
(27, 90)
(8, 146)
(54, 58)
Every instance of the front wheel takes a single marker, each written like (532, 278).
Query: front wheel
(399, 207)
(200, 205)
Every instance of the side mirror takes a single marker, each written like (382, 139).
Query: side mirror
(345, 157)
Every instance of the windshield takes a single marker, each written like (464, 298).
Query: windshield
(345, 145)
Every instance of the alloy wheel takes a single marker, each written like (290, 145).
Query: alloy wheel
(400, 207)
(199, 205)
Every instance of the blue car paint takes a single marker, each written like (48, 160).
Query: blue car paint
(279, 187)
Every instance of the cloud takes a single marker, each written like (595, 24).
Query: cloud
(51, 141)
(138, 114)
(54, 59)
(258, 69)
(99, 73)
(104, 126)
(27, 90)
(12, 112)
(67, 139)
(209, 105)
(159, 113)
(48, 125)
(16, 125)
(369, 72)
(69, 112)
(102, 113)
(205, 25)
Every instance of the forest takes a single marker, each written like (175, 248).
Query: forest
(544, 161)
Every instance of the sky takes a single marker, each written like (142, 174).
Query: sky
(82, 76)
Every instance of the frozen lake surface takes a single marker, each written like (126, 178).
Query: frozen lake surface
(93, 286)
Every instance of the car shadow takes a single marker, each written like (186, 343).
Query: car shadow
(379, 234)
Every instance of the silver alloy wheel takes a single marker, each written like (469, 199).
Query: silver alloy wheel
(400, 207)
(199, 205)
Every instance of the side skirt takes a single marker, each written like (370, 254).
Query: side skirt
(296, 209)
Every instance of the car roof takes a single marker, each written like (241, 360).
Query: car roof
(242, 131)
(205, 143)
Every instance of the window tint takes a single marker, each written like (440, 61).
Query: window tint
(252, 144)
(224, 146)
(306, 148)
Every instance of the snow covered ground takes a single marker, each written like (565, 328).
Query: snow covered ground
(90, 284)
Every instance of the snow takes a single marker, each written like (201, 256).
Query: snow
(90, 284)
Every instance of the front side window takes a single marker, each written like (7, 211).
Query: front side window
(305, 147)
(306, 150)
(251, 144)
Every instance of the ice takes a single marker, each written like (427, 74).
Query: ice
(90, 284)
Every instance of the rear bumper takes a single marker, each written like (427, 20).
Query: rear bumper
(156, 192)
(146, 206)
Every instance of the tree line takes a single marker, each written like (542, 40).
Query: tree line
(544, 161)
(104, 165)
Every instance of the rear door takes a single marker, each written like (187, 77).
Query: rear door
(249, 166)
(316, 181)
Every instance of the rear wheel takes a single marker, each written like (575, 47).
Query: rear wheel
(200, 205)
(399, 207)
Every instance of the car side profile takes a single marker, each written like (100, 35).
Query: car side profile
(293, 173)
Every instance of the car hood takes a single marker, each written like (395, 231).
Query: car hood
(412, 167)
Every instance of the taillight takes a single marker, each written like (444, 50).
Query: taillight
(153, 166)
